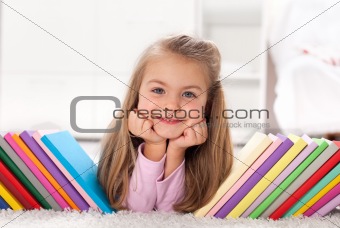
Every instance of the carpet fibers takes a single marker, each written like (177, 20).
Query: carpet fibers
(49, 218)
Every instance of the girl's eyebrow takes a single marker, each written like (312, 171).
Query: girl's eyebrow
(164, 84)
(157, 81)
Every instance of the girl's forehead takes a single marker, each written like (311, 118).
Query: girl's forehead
(175, 68)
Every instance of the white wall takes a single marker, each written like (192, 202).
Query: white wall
(58, 50)
(77, 48)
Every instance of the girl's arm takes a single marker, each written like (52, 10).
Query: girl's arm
(174, 158)
(170, 184)
(148, 189)
(142, 192)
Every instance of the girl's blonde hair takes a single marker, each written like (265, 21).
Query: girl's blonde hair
(206, 165)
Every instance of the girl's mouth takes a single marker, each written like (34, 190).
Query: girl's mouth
(170, 121)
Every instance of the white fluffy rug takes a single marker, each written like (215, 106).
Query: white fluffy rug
(48, 218)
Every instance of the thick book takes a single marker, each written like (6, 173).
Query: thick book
(24, 174)
(318, 196)
(312, 168)
(52, 193)
(245, 158)
(279, 179)
(55, 189)
(37, 137)
(295, 168)
(328, 207)
(299, 145)
(313, 191)
(3, 204)
(17, 189)
(73, 197)
(326, 166)
(79, 164)
(9, 198)
(253, 180)
(323, 201)
(264, 156)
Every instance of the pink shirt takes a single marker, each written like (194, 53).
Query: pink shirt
(148, 190)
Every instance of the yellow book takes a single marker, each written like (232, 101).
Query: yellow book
(318, 196)
(246, 157)
(270, 176)
(9, 198)
(44, 171)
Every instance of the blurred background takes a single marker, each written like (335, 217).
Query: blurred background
(276, 57)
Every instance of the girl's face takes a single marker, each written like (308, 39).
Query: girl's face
(173, 82)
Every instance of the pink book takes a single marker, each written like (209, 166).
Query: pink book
(276, 143)
(324, 200)
(286, 172)
(37, 137)
(328, 207)
(54, 193)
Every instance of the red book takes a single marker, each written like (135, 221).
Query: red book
(17, 189)
(303, 189)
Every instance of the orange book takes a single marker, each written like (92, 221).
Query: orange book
(44, 171)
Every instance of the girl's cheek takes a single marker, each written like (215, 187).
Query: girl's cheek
(146, 105)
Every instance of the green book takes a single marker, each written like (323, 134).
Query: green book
(322, 145)
(23, 179)
(313, 191)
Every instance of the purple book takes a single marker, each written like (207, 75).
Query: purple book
(26, 136)
(256, 177)
(297, 161)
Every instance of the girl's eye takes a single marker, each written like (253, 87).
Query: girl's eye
(189, 94)
(158, 90)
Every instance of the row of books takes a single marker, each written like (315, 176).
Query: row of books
(50, 170)
(275, 176)
(272, 176)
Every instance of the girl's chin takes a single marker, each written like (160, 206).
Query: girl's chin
(168, 134)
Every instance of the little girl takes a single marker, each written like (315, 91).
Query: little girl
(173, 149)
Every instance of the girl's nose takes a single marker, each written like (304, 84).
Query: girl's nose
(170, 108)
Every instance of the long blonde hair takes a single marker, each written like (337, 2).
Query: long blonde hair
(206, 165)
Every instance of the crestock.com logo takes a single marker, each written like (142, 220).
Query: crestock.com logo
(239, 114)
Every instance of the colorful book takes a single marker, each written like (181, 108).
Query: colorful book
(264, 156)
(60, 195)
(323, 201)
(3, 204)
(279, 179)
(42, 179)
(318, 196)
(312, 168)
(79, 164)
(247, 156)
(299, 145)
(256, 176)
(327, 208)
(37, 137)
(25, 175)
(17, 189)
(312, 180)
(295, 168)
(72, 197)
(316, 188)
(9, 198)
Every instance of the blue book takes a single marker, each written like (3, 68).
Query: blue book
(3, 204)
(70, 154)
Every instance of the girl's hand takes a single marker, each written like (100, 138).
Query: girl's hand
(193, 135)
(143, 127)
